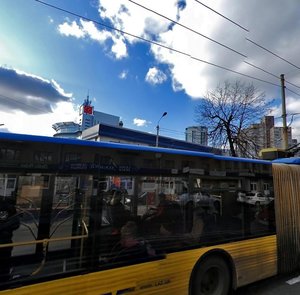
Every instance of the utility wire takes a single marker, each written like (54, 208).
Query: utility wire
(187, 28)
(292, 91)
(265, 71)
(172, 131)
(273, 53)
(155, 43)
(254, 66)
(41, 110)
(236, 72)
(220, 14)
(196, 32)
(260, 46)
(110, 27)
(292, 119)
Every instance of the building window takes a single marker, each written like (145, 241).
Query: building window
(43, 157)
(253, 186)
(73, 157)
(9, 154)
(266, 186)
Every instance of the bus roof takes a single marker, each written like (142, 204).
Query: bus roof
(122, 146)
(292, 160)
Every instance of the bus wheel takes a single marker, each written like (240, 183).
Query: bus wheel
(212, 277)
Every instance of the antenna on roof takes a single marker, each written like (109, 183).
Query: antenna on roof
(87, 101)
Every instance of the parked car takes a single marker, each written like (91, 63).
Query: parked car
(203, 199)
(254, 198)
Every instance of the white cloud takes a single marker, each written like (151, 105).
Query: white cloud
(87, 29)
(91, 31)
(38, 124)
(119, 48)
(155, 76)
(123, 75)
(50, 19)
(140, 122)
(71, 29)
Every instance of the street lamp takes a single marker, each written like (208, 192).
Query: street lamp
(157, 127)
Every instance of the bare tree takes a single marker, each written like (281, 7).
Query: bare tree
(229, 111)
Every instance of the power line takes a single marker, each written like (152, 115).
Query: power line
(260, 46)
(236, 72)
(188, 28)
(22, 103)
(292, 84)
(220, 14)
(173, 131)
(265, 71)
(109, 27)
(155, 43)
(292, 91)
(254, 66)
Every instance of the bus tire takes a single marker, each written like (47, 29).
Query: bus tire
(211, 277)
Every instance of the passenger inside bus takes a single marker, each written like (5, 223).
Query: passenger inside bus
(166, 218)
(9, 222)
(130, 246)
(117, 211)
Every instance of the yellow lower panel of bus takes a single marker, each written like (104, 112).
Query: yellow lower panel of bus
(253, 260)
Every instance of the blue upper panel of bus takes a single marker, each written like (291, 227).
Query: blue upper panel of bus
(121, 146)
(294, 161)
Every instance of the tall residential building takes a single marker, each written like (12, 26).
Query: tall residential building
(266, 135)
(267, 124)
(276, 137)
(197, 134)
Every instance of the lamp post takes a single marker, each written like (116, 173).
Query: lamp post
(157, 128)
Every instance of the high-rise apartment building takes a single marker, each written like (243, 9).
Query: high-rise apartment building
(197, 134)
(266, 135)
(276, 137)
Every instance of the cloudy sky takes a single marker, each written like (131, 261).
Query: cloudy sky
(51, 58)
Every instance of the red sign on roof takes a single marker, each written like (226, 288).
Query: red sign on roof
(88, 110)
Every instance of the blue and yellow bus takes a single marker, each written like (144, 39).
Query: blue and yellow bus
(86, 217)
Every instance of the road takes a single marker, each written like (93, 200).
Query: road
(279, 285)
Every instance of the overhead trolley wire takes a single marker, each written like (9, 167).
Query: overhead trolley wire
(222, 15)
(265, 71)
(187, 28)
(254, 66)
(233, 71)
(292, 91)
(260, 46)
(41, 110)
(153, 42)
(109, 27)
(196, 32)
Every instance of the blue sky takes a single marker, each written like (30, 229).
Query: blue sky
(50, 60)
